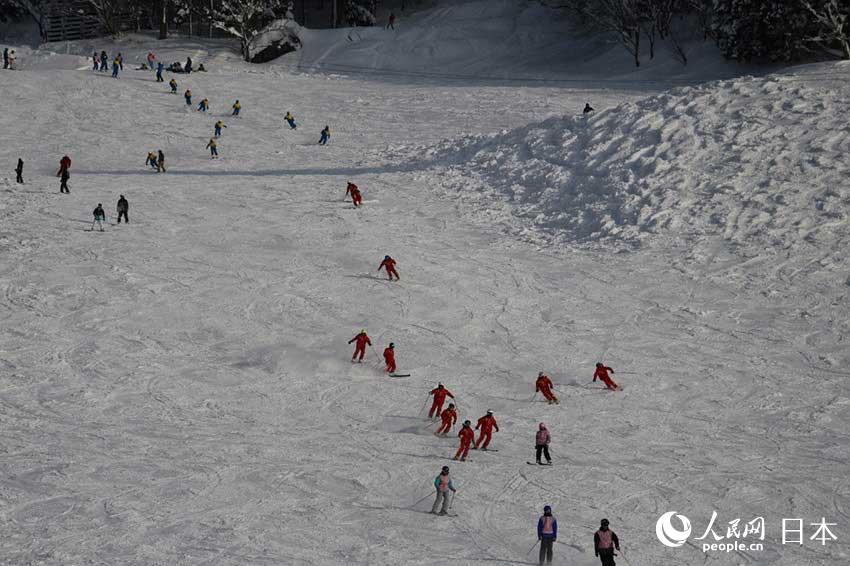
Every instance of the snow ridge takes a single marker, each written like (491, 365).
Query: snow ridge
(753, 160)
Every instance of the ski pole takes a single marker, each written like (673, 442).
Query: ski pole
(532, 548)
(423, 406)
(421, 500)
(452, 502)
(533, 397)
(626, 558)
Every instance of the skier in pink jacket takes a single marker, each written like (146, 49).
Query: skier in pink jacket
(541, 443)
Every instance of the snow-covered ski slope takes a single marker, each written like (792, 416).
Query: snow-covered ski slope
(178, 390)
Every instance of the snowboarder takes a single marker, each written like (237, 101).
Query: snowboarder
(290, 119)
(354, 191)
(63, 182)
(188, 96)
(151, 160)
(362, 340)
(236, 108)
(448, 418)
(541, 443)
(440, 393)
(544, 385)
(466, 435)
(123, 207)
(486, 423)
(204, 105)
(602, 373)
(389, 358)
(218, 126)
(391, 21)
(188, 67)
(326, 135)
(547, 534)
(587, 108)
(19, 171)
(160, 162)
(64, 165)
(213, 147)
(389, 265)
(104, 62)
(159, 69)
(444, 485)
(173, 84)
(604, 542)
(99, 217)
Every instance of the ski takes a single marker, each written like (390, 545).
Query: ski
(399, 375)
(537, 464)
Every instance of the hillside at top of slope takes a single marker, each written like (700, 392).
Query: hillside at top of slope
(758, 161)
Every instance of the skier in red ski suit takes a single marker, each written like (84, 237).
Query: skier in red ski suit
(602, 373)
(544, 385)
(440, 393)
(486, 423)
(389, 357)
(64, 165)
(362, 340)
(356, 197)
(466, 435)
(389, 265)
(449, 418)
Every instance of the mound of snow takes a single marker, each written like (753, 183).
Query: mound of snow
(755, 160)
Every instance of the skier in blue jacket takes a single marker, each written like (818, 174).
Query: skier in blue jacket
(547, 533)
(444, 485)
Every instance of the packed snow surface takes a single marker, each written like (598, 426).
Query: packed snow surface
(178, 391)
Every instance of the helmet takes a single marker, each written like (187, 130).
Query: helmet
(439, 386)
(489, 412)
(451, 405)
(540, 374)
(362, 331)
(445, 468)
(599, 364)
(392, 345)
(547, 509)
(386, 257)
(467, 423)
(604, 522)
(542, 426)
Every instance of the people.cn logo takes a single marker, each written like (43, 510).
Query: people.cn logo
(670, 535)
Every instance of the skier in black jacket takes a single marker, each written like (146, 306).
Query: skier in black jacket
(20, 170)
(123, 207)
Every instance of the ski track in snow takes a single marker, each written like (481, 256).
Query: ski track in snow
(179, 391)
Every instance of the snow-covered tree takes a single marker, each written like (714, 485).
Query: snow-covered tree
(832, 24)
(244, 19)
(360, 12)
(761, 29)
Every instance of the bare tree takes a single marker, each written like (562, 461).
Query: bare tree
(831, 18)
(620, 17)
(110, 12)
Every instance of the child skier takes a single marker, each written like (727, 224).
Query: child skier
(547, 534)
(290, 119)
(204, 105)
(389, 358)
(602, 374)
(486, 423)
(544, 385)
(466, 435)
(159, 68)
(389, 265)
(95, 61)
(362, 340)
(326, 136)
(188, 96)
(541, 444)
(354, 191)
(444, 485)
(173, 84)
(218, 126)
(123, 207)
(151, 160)
(448, 418)
(604, 542)
(440, 393)
(104, 62)
(115, 67)
(99, 217)
(213, 147)
(236, 108)
(19, 171)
